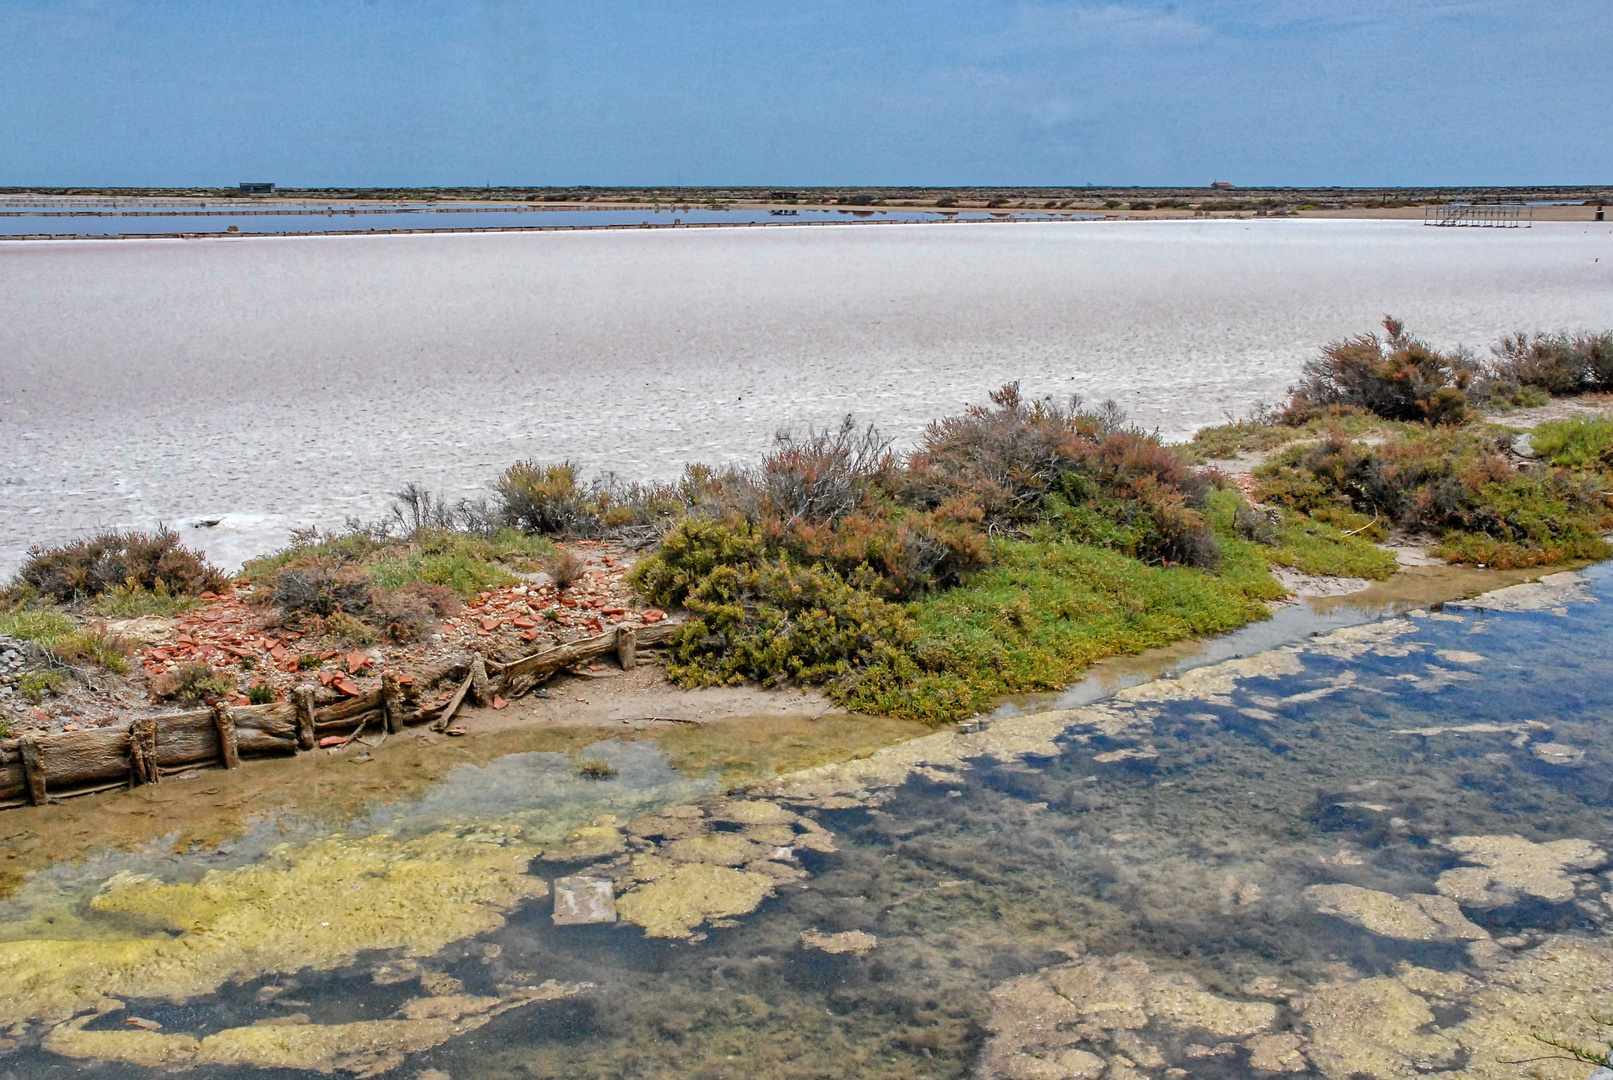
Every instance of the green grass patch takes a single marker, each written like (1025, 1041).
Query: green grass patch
(1316, 547)
(43, 626)
(125, 602)
(1584, 442)
(1225, 441)
(36, 686)
(466, 576)
(467, 563)
(1042, 614)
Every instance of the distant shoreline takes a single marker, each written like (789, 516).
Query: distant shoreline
(1541, 214)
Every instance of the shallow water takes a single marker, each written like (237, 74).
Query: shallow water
(1177, 825)
(281, 382)
(336, 219)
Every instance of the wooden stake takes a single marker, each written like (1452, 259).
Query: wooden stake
(392, 702)
(479, 691)
(143, 768)
(626, 647)
(229, 751)
(447, 718)
(33, 769)
(304, 699)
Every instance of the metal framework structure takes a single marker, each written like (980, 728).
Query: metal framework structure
(1480, 215)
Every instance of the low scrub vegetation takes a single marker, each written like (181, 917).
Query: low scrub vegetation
(1400, 377)
(1018, 543)
(1397, 377)
(1457, 485)
(194, 683)
(86, 569)
(1559, 364)
(393, 579)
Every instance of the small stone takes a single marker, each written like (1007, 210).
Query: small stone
(1277, 1053)
(580, 901)
(849, 941)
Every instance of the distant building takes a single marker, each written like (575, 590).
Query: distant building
(1218, 184)
(257, 189)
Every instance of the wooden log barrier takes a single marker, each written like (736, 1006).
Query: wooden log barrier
(304, 697)
(40, 769)
(229, 747)
(546, 663)
(33, 768)
(447, 717)
(13, 785)
(143, 767)
(392, 701)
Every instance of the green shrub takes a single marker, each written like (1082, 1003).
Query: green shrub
(261, 694)
(1580, 443)
(547, 500)
(194, 682)
(776, 621)
(84, 569)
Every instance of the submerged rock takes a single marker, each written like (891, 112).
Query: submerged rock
(1277, 1053)
(1417, 918)
(1037, 1020)
(1560, 754)
(682, 897)
(1552, 593)
(316, 906)
(593, 841)
(1374, 1028)
(1511, 868)
(848, 941)
(367, 1048)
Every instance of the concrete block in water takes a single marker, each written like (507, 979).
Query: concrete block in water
(582, 900)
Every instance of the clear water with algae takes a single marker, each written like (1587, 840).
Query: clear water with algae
(1377, 852)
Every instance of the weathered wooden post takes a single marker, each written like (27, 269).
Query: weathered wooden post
(33, 769)
(626, 647)
(229, 748)
(479, 690)
(303, 696)
(143, 768)
(392, 701)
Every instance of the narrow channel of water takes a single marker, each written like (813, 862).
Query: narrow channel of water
(343, 219)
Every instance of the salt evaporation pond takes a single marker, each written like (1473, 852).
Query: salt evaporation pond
(1381, 851)
(271, 383)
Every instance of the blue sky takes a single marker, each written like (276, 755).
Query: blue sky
(420, 92)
